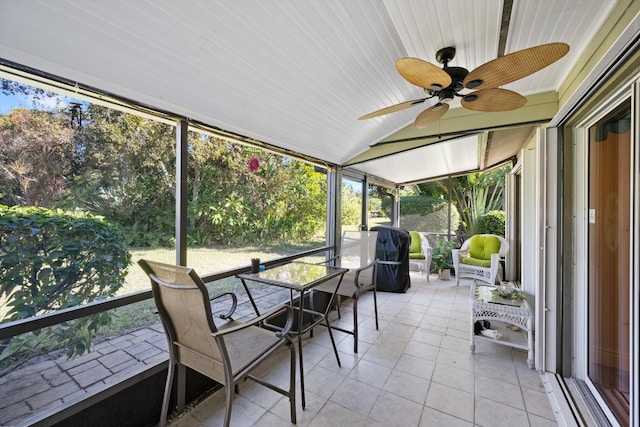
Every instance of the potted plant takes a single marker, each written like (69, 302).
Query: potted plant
(442, 259)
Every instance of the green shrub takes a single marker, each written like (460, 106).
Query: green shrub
(51, 260)
(493, 222)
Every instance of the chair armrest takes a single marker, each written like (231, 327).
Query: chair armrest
(259, 320)
(495, 259)
(361, 269)
(461, 252)
(234, 304)
(424, 244)
(456, 256)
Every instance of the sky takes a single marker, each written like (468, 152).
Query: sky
(9, 102)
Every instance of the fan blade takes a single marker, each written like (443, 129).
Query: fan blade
(514, 66)
(422, 73)
(493, 99)
(430, 115)
(393, 108)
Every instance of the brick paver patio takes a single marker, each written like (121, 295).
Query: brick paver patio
(50, 380)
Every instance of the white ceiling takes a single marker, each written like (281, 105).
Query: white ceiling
(294, 74)
(435, 160)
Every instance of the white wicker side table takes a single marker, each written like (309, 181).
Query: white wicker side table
(487, 307)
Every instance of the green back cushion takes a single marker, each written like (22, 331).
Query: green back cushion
(481, 247)
(415, 247)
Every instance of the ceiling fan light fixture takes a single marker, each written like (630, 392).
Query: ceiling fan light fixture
(474, 84)
(446, 96)
(435, 86)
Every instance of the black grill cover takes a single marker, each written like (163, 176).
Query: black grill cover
(392, 251)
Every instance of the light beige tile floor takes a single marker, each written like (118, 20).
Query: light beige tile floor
(416, 370)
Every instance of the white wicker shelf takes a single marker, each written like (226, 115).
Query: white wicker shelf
(487, 307)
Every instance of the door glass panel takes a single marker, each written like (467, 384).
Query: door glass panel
(351, 204)
(609, 259)
(380, 206)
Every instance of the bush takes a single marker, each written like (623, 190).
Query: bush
(50, 260)
(493, 222)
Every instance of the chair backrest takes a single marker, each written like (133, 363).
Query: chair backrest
(358, 248)
(416, 243)
(183, 304)
(481, 246)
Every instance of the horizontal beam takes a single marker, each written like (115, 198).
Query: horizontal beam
(459, 122)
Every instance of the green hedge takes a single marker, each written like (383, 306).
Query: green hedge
(424, 213)
(420, 205)
(50, 260)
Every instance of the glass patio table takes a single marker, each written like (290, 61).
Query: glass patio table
(299, 277)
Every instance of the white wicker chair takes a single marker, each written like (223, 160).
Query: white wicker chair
(485, 274)
(424, 262)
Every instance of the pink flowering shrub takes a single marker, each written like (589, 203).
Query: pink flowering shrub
(253, 164)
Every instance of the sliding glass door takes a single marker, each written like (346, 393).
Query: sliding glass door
(609, 263)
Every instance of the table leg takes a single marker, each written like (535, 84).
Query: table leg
(253, 303)
(472, 344)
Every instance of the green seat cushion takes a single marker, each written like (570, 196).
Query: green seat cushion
(475, 261)
(481, 247)
(416, 244)
(416, 256)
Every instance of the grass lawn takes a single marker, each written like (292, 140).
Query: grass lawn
(206, 260)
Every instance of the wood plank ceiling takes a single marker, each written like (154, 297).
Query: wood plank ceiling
(298, 74)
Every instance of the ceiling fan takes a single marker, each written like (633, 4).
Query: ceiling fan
(448, 82)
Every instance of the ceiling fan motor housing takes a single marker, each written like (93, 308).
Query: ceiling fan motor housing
(457, 76)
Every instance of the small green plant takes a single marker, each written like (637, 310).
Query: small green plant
(442, 257)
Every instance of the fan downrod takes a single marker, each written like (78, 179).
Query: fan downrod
(457, 74)
(445, 55)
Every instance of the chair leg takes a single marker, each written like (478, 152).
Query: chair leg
(292, 383)
(355, 323)
(167, 393)
(229, 401)
(375, 306)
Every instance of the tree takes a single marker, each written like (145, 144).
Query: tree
(36, 156)
(125, 172)
(477, 194)
(122, 167)
(248, 195)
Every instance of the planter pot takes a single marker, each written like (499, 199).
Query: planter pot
(444, 274)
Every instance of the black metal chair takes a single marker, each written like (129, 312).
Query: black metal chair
(358, 254)
(228, 352)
